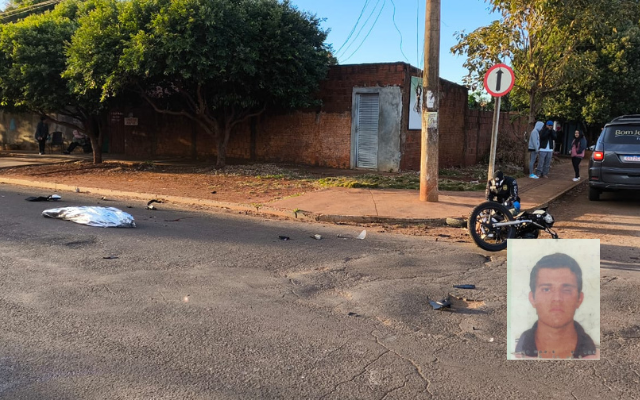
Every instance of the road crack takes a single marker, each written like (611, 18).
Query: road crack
(364, 369)
(413, 363)
(404, 384)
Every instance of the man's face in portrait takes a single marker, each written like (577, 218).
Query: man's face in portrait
(556, 297)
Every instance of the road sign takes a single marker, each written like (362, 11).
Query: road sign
(499, 80)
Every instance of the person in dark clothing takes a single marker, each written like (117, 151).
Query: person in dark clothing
(79, 139)
(42, 133)
(556, 293)
(547, 138)
(503, 189)
(578, 146)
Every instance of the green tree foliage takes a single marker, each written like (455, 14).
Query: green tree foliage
(217, 62)
(529, 37)
(576, 59)
(32, 60)
(603, 80)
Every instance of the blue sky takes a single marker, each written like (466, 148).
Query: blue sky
(383, 42)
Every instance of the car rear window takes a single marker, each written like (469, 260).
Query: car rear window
(622, 134)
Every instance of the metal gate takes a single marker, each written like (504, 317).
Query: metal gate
(367, 130)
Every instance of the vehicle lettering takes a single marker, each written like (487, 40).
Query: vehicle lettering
(627, 133)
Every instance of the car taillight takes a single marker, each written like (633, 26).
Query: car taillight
(598, 155)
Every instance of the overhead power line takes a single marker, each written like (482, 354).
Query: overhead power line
(418, 32)
(372, 26)
(362, 27)
(355, 26)
(397, 29)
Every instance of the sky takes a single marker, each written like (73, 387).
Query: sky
(374, 37)
(383, 41)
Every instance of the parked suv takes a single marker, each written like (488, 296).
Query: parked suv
(615, 162)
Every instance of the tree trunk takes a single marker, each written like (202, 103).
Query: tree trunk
(95, 136)
(224, 133)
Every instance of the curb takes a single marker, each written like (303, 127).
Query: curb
(247, 209)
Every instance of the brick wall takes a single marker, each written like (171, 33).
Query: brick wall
(322, 136)
(451, 129)
(479, 125)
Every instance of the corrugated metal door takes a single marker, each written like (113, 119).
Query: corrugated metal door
(367, 131)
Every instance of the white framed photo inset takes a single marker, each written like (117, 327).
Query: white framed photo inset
(553, 299)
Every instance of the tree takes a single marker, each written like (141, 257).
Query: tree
(572, 58)
(605, 64)
(32, 59)
(216, 62)
(530, 38)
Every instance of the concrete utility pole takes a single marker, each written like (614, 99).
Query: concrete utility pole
(430, 101)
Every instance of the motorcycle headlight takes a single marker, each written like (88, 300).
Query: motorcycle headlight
(548, 219)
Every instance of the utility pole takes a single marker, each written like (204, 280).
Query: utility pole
(430, 101)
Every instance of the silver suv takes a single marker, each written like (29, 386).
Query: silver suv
(615, 162)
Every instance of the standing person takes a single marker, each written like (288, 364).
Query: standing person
(578, 147)
(42, 133)
(559, 143)
(534, 147)
(547, 138)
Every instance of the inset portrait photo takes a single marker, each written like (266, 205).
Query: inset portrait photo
(553, 299)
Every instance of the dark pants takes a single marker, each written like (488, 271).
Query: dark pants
(41, 144)
(576, 165)
(72, 146)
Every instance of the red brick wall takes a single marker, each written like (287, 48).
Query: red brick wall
(478, 132)
(323, 136)
(336, 91)
(451, 129)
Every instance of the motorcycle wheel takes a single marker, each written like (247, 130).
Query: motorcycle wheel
(481, 228)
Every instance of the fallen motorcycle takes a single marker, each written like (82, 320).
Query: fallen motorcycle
(491, 224)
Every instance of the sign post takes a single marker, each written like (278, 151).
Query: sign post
(498, 81)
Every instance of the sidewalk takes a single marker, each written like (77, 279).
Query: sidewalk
(343, 204)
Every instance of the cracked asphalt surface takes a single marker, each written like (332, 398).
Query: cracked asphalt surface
(214, 306)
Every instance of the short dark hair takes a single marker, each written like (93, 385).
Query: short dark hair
(555, 261)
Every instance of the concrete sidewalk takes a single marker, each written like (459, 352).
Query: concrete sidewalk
(377, 205)
(343, 204)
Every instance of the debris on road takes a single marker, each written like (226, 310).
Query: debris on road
(464, 286)
(150, 204)
(110, 257)
(317, 237)
(53, 197)
(352, 314)
(284, 238)
(442, 304)
(362, 235)
(103, 217)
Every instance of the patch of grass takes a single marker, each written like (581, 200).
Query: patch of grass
(460, 186)
(372, 181)
(276, 176)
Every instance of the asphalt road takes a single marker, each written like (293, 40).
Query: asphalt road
(215, 306)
